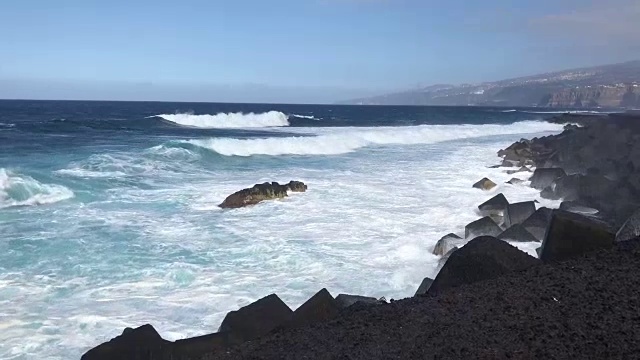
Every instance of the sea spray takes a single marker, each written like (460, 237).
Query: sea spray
(229, 120)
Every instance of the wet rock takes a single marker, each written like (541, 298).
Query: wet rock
(484, 184)
(543, 177)
(578, 208)
(447, 243)
(256, 319)
(517, 233)
(537, 223)
(320, 307)
(522, 169)
(495, 205)
(143, 342)
(261, 192)
(424, 286)
(344, 300)
(630, 229)
(570, 235)
(481, 259)
(515, 181)
(485, 226)
(445, 257)
(518, 212)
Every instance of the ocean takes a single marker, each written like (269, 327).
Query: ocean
(109, 217)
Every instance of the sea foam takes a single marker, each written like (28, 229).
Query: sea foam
(22, 190)
(229, 120)
(334, 141)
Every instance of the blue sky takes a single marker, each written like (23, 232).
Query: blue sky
(296, 50)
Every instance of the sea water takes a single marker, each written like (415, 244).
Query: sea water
(109, 217)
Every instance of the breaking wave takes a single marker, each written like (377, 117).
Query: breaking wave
(309, 117)
(229, 120)
(340, 141)
(22, 190)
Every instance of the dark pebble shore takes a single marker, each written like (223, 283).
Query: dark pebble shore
(579, 300)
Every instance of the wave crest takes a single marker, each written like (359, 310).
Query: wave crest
(22, 190)
(340, 141)
(229, 120)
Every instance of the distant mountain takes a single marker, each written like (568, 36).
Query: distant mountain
(610, 86)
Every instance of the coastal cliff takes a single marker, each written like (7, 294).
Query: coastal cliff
(604, 86)
(594, 96)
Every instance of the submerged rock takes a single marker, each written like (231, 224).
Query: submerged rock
(515, 181)
(571, 235)
(484, 184)
(447, 243)
(261, 192)
(481, 259)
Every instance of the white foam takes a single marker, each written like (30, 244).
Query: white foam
(332, 141)
(22, 190)
(571, 112)
(229, 120)
(309, 117)
(367, 225)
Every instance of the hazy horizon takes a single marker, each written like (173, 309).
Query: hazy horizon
(322, 51)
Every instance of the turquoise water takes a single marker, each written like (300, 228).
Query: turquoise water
(109, 217)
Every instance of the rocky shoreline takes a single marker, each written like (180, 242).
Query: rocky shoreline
(579, 299)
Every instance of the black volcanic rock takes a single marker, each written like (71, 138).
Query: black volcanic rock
(630, 229)
(143, 342)
(320, 307)
(495, 205)
(200, 345)
(543, 177)
(256, 319)
(484, 184)
(584, 308)
(538, 222)
(517, 213)
(443, 260)
(424, 286)
(517, 233)
(447, 243)
(482, 227)
(481, 259)
(570, 235)
(515, 181)
(344, 300)
(261, 192)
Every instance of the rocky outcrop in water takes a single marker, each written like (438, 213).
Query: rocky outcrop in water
(261, 192)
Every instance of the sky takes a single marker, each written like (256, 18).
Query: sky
(309, 51)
